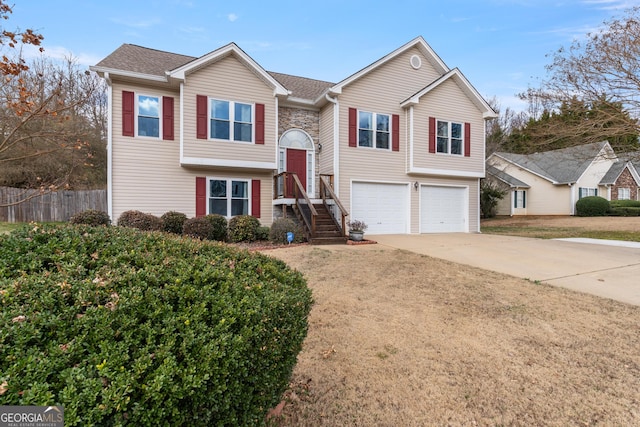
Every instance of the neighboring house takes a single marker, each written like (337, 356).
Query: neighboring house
(402, 140)
(550, 183)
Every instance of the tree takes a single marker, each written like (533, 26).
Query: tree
(593, 89)
(490, 196)
(499, 129)
(574, 122)
(47, 114)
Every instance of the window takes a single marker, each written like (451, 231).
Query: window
(374, 130)
(586, 192)
(624, 194)
(520, 199)
(449, 137)
(228, 197)
(149, 116)
(232, 121)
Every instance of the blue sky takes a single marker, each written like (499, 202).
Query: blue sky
(500, 45)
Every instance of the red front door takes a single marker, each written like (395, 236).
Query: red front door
(296, 163)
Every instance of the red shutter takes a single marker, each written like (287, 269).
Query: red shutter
(201, 196)
(259, 123)
(167, 118)
(467, 139)
(255, 198)
(432, 134)
(395, 136)
(201, 116)
(128, 113)
(353, 127)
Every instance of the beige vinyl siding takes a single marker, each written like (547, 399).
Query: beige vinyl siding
(543, 197)
(229, 80)
(147, 176)
(474, 199)
(381, 91)
(593, 175)
(325, 156)
(448, 103)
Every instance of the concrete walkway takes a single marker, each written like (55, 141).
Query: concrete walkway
(606, 270)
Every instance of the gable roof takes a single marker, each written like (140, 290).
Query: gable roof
(616, 169)
(563, 166)
(506, 178)
(131, 60)
(418, 42)
(463, 83)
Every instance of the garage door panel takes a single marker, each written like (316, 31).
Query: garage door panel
(382, 206)
(443, 209)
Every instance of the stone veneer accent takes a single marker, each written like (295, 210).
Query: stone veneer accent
(308, 121)
(625, 180)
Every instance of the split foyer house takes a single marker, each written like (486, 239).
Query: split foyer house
(551, 182)
(399, 144)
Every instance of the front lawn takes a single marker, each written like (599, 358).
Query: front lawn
(558, 227)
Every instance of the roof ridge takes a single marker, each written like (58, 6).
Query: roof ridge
(159, 50)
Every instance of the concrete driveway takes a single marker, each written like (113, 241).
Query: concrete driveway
(600, 269)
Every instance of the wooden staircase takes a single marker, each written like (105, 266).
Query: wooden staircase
(327, 230)
(318, 223)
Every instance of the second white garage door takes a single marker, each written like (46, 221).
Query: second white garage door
(384, 207)
(443, 209)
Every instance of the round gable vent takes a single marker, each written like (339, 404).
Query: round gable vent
(416, 62)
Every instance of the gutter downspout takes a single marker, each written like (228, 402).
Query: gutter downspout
(336, 143)
(109, 146)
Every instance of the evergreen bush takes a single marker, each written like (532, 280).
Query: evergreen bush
(141, 221)
(199, 228)
(172, 222)
(243, 228)
(129, 328)
(592, 206)
(91, 217)
(219, 227)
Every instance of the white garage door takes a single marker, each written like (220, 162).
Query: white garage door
(443, 209)
(384, 207)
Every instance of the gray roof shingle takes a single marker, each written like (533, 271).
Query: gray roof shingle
(561, 166)
(511, 181)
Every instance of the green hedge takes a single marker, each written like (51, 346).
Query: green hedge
(592, 206)
(624, 211)
(625, 204)
(124, 327)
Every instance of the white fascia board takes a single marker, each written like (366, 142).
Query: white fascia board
(633, 171)
(240, 164)
(113, 72)
(445, 172)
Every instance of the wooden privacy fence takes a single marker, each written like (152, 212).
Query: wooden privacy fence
(56, 206)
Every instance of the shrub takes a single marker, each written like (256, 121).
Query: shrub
(263, 233)
(172, 222)
(91, 217)
(279, 229)
(624, 211)
(243, 228)
(129, 328)
(220, 227)
(199, 228)
(625, 203)
(141, 221)
(592, 206)
(490, 196)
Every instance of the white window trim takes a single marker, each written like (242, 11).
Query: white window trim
(628, 191)
(449, 138)
(520, 203)
(587, 190)
(232, 120)
(137, 109)
(375, 134)
(229, 198)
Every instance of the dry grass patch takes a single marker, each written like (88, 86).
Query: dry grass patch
(398, 338)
